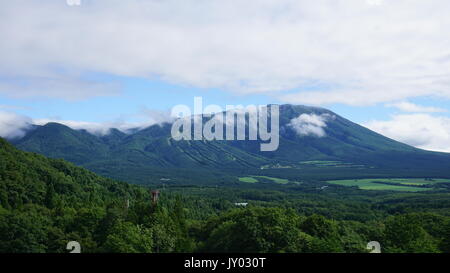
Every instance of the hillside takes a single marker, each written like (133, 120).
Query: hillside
(45, 203)
(32, 178)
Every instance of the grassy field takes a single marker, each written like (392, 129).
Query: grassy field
(274, 179)
(248, 179)
(328, 163)
(393, 184)
(254, 179)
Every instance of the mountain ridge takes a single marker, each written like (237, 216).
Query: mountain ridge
(154, 148)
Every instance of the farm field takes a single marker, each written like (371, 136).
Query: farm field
(394, 184)
(330, 163)
(254, 179)
(248, 179)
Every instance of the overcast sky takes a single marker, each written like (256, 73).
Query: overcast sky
(384, 64)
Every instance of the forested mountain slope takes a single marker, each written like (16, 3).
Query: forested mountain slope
(306, 134)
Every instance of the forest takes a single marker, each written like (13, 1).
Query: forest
(45, 203)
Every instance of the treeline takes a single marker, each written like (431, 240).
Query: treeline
(280, 230)
(145, 228)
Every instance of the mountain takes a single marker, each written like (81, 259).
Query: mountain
(313, 141)
(47, 203)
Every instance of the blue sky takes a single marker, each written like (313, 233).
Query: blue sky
(382, 64)
(138, 94)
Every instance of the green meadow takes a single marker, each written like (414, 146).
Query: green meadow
(254, 179)
(248, 179)
(393, 184)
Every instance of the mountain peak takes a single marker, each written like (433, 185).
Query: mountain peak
(301, 109)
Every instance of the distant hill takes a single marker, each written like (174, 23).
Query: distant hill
(307, 135)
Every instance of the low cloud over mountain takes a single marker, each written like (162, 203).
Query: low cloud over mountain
(310, 124)
(13, 125)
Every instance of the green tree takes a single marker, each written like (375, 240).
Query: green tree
(126, 237)
(24, 231)
(403, 233)
(325, 233)
(256, 230)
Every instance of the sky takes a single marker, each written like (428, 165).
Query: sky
(111, 63)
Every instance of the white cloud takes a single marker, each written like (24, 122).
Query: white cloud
(420, 130)
(13, 125)
(347, 51)
(147, 118)
(310, 124)
(414, 108)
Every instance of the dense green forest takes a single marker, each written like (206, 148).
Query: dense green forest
(45, 203)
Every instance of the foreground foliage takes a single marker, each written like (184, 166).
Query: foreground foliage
(45, 203)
